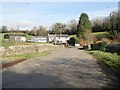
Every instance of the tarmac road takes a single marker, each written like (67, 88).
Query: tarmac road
(66, 68)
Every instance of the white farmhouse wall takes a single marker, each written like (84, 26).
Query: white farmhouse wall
(59, 38)
(23, 39)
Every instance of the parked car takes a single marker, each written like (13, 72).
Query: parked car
(58, 43)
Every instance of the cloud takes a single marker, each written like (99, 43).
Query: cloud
(24, 23)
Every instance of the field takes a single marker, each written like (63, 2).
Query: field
(8, 43)
(101, 34)
(97, 34)
(1, 37)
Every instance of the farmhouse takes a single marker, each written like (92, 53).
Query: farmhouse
(58, 38)
(50, 38)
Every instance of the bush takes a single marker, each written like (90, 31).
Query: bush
(102, 45)
(71, 41)
(99, 46)
(77, 41)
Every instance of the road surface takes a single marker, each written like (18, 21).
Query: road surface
(66, 68)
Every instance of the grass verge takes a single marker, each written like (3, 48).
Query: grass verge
(26, 55)
(22, 57)
(111, 59)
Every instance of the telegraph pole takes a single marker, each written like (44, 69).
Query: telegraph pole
(18, 28)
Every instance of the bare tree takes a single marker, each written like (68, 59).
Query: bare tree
(72, 27)
(58, 28)
(41, 31)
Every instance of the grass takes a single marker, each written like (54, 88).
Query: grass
(26, 56)
(28, 36)
(111, 59)
(6, 43)
(74, 36)
(101, 34)
(1, 38)
(97, 34)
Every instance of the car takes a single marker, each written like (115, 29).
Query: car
(58, 43)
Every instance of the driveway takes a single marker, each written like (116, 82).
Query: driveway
(66, 68)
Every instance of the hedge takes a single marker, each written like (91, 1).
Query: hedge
(113, 48)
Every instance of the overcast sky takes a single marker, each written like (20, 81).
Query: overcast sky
(30, 14)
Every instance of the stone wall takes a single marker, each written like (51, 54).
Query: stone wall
(15, 50)
(2, 49)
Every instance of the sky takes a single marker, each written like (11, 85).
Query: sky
(26, 15)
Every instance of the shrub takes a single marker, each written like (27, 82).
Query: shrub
(72, 41)
(99, 46)
(77, 41)
(102, 45)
